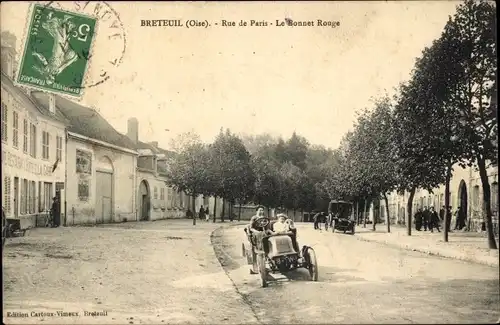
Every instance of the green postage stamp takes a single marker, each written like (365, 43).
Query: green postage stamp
(57, 50)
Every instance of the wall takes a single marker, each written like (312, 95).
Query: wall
(18, 162)
(470, 177)
(82, 210)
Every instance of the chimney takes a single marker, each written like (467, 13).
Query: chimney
(154, 144)
(133, 129)
(52, 103)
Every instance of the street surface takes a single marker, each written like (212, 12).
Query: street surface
(169, 272)
(140, 273)
(366, 282)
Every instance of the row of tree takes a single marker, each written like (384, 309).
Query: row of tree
(260, 169)
(443, 116)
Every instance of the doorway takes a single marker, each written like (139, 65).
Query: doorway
(463, 199)
(104, 192)
(144, 200)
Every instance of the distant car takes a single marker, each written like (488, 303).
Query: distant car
(342, 216)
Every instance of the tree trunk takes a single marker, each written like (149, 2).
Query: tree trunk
(447, 220)
(193, 200)
(294, 213)
(357, 212)
(239, 212)
(215, 208)
(364, 214)
(409, 208)
(388, 217)
(492, 244)
(223, 210)
(374, 224)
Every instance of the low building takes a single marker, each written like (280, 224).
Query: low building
(100, 165)
(155, 199)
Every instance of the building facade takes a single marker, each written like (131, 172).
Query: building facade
(100, 165)
(155, 199)
(33, 153)
(465, 192)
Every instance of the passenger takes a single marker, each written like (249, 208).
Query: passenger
(281, 225)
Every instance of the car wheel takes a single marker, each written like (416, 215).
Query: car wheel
(262, 269)
(313, 264)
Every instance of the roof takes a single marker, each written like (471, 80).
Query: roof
(86, 121)
(28, 100)
(155, 150)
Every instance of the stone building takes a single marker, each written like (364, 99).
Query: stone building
(155, 199)
(100, 165)
(465, 192)
(33, 152)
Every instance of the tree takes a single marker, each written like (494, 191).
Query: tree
(473, 88)
(188, 172)
(230, 168)
(296, 150)
(372, 147)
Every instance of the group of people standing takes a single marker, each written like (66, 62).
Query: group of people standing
(429, 219)
(202, 214)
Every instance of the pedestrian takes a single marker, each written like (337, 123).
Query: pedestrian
(316, 220)
(201, 213)
(425, 218)
(56, 212)
(207, 215)
(441, 213)
(418, 219)
(434, 220)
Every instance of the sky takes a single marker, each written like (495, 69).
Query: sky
(252, 80)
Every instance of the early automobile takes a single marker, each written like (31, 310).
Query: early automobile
(274, 252)
(341, 214)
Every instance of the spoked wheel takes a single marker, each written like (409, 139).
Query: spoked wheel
(262, 270)
(313, 264)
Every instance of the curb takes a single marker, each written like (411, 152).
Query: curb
(430, 252)
(243, 296)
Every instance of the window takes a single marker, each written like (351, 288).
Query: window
(169, 197)
(40, 198)
(28, 200)
(25, 136)
(45, 145)
(15, 129)
(33, 197)
(33, 141)
(162, 194)
(24, 195)
(59, 148)
(47, 195)
(155, 193)
(494, 198)
(475, 197)
(6, 194)
(4, 121)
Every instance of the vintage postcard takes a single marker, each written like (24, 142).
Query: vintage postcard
(327, 162)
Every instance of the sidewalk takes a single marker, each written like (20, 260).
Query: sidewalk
(466, 246)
